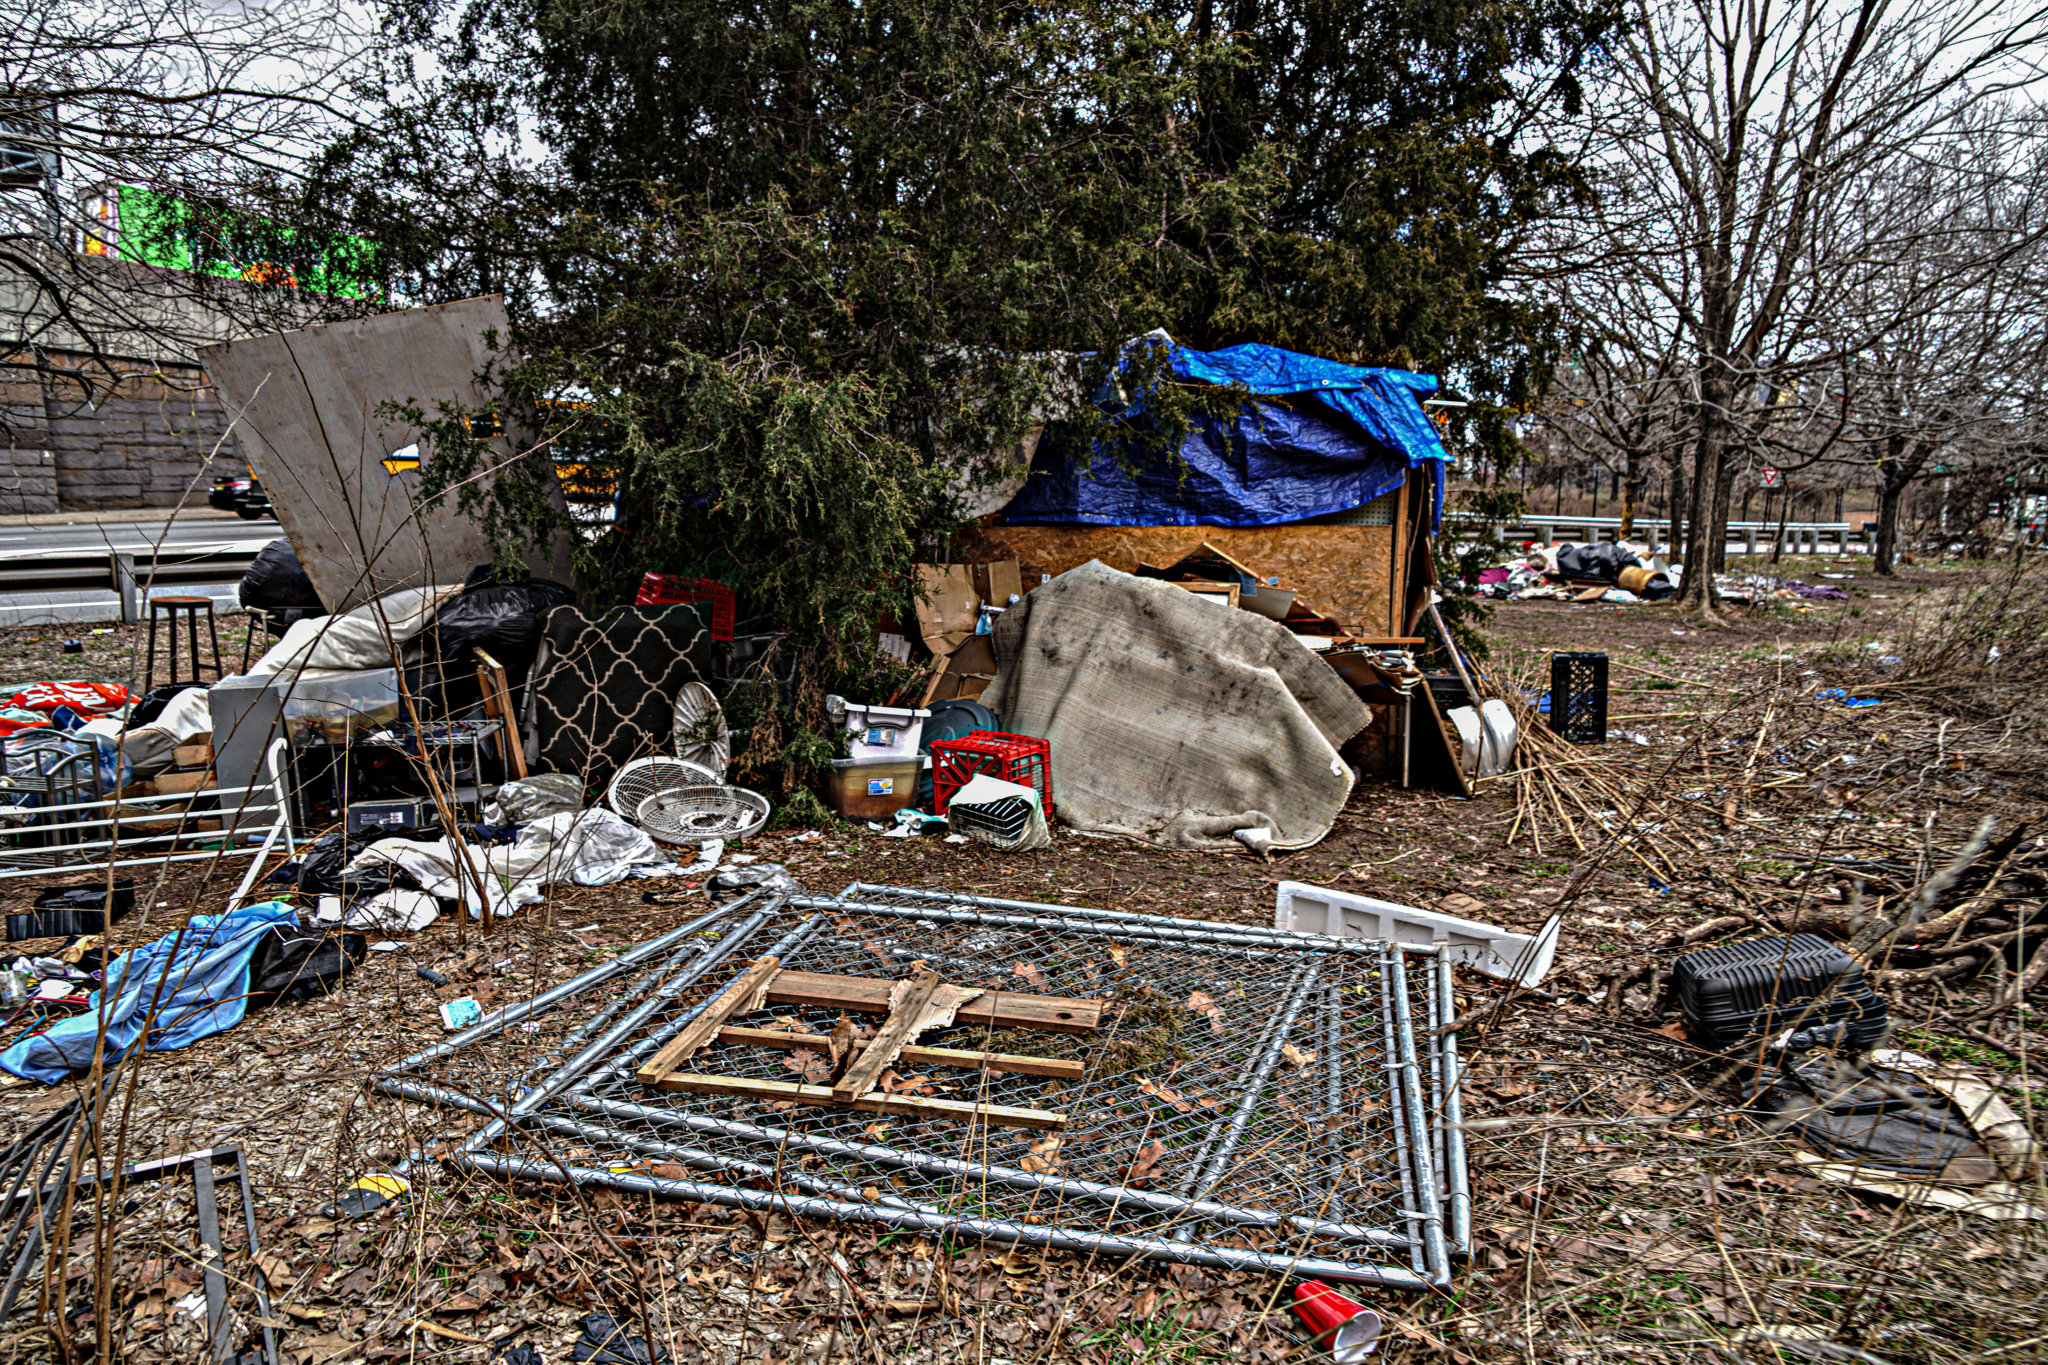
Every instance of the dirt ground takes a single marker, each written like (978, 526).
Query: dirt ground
(1624, 1209)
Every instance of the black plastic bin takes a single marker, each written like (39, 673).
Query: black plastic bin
(1741, 992)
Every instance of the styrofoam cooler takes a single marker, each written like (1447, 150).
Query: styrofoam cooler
(883, 731)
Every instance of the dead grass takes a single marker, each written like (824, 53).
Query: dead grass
(1624, 1210)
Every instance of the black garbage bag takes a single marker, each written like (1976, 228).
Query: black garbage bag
(298, 964)
(498, 612)
(317, 868)
(156, 699)
(605, 1342)
(276, 585)
(1877, 1117)
(1603, 561)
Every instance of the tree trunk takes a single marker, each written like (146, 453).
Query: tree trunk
(1895, 471)
(1631, 474)
(1675, 541)
(1778, 540)
(1703, 530)
(1889, 494)
(1717, 525)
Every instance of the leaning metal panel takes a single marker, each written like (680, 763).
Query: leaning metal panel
(1253, 1098)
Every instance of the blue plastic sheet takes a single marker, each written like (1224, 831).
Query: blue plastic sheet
(190, 984)
(1324, 437)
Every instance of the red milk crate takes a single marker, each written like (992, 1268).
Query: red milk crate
(1013, 758)
(669, 590)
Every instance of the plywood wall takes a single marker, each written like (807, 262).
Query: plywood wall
(1350, 572)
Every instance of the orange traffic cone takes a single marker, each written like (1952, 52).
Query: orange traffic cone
(1348, 1330)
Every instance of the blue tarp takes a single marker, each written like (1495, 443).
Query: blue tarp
(1327, 438)
(194, 981)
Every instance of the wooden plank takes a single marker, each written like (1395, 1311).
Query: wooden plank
(899, 1029)
(1009, 1063)
(738, 998)
(875, 1102)
(490, 674)
(870, 995)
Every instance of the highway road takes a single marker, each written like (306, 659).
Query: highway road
(84, 532)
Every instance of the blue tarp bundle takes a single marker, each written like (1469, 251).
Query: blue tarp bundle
(1330, 437)
(194, 981)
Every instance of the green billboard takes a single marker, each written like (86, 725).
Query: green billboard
(165, 230)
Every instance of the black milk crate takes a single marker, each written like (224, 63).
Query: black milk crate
(1740, 992)
(1578, 697)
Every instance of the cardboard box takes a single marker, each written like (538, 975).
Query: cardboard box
(998, 582)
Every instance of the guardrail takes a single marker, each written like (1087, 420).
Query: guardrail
(126, 572)
(1800, 537)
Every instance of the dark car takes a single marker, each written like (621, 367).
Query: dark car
(242, 496)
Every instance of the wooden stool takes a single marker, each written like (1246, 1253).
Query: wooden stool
(170, 608)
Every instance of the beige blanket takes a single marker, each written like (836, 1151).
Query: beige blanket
(1173, 718)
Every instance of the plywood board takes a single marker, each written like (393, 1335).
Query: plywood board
(897, 1030)
(1348, 571)
(313, 426)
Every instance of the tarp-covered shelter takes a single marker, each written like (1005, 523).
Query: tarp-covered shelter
(1331, 479)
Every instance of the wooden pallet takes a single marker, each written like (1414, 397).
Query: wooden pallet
(909, 1008)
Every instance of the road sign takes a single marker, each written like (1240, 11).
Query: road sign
(1773, 477)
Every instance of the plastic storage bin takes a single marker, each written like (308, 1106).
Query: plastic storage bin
(1013, 758)
(335, 707)
(872, 788)
(1741, 992)
(884, 731)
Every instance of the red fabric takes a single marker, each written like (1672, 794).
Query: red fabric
(86, 698)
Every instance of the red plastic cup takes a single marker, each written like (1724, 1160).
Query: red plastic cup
(1347, 1329)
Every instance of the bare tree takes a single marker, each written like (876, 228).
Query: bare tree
(1732, 146)
(1622, 397)
(202, 110)
(1952, 367)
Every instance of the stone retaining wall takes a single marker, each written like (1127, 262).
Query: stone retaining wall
(145, 443)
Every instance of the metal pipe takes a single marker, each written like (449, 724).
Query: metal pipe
(591, 1132)
(1186, 1188)
(1131, 930)
(1292, 937)
(1412, 1209)
(979, 1229)
(218, 1327)
(646, 982)
(522, 1009)
(1434, 1254)
(1434, 1109)
(573, 1069)
(1333, 1100)
(1253, 1092)
(1116, 1196)
(1457, 1177)
(262, 1280)
(45, 1205)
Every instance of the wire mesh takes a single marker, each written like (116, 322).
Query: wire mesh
(1249, 1098)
